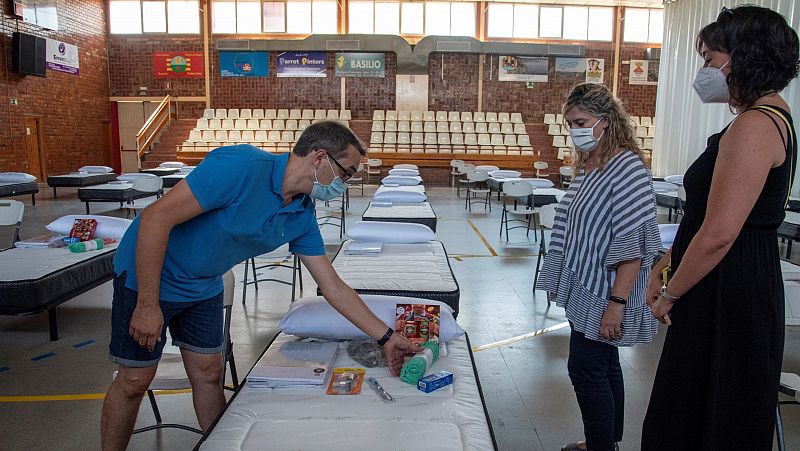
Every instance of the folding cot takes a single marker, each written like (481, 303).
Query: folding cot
(420, 213)
(37, 280)
(78, 180)
(667, 196)
(790, 230)
(9, 189)
(160, 171)
(452, 418)
(173, 179)
(110, 192)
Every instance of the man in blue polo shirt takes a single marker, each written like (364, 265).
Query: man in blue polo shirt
(238, 203)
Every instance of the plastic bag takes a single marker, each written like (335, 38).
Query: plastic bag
(367, 353)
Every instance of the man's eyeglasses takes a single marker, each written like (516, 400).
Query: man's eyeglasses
(346, 174)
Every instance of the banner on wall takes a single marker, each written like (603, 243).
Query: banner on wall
(62, 57)
(361, 65)
(243, 64)
(307, 64)
(178, 65)
(523, 68)
(595, 69)
(571, 65)
(643, 72)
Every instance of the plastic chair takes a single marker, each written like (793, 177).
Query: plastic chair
(171, 374)
(296, 267)
(476, 186)
(541, 168)
(374, 167)
(332, 210)
(565, 174)
(11, 212)
(145, 183)
(518, 191)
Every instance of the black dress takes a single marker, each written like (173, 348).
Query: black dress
(717, 381)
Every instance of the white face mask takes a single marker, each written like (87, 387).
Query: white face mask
(712, 85)
(583, 138)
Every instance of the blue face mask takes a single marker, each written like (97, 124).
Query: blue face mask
(328, 192)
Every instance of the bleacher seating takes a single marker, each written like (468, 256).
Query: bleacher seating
(268, 129)
(644, 131)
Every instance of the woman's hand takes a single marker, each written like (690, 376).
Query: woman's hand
(611, 325)
(661, 308)
(654, 283)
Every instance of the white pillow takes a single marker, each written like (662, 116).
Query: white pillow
(405, 166)
(401, 180)
(403, 197)
(96, 169)
(404, 172)
(16, 177)
(314, 317)
(131, 176)
(390, 232)
(107, 226)
(186, 169)
(486, 168)
(172, 164)
(505, 173)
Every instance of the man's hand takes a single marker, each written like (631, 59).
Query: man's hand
(395, 349)
(611, 324)
(146, 324)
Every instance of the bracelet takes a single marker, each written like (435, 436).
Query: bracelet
(618, 300)
(668, 296)
(386, 337)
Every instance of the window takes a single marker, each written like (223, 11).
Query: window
(367, 17)
(120, 14)
(154, 16)
(644, 25)
(412, 18)
(527, 21)
(248, 16)
(183, 16)
(274, 17)
(600, 24)
(450, 19)
(298, 17)
(361, 18)
(576, 22)
(437, 18)
(324, 17)
(223, 16)
(550, 22)
(387, 17)
(462, 19)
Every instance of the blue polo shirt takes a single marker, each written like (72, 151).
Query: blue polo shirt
(240, 190)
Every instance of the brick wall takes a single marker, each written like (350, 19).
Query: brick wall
(453, 81)
(639, 100)
(72, 107)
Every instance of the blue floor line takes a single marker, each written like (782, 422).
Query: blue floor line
(43, 356)
(83, 343)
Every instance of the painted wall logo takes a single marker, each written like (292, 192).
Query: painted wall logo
(62, 49)
(178, 64)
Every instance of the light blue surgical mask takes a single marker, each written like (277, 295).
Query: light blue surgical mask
(583, 138)
(328, 192)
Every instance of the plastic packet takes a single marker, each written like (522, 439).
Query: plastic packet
(367, 353)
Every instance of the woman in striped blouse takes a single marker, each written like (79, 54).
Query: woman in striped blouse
(603, 243)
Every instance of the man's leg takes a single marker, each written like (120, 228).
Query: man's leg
(122, 405)
(205, 371)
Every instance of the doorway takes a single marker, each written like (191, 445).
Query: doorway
(36, 163)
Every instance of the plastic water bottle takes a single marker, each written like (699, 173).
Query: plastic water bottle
(84, 246)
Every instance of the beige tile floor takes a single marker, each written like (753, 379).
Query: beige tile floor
(527, 391)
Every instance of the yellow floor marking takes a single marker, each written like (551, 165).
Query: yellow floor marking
(483, 238)
(76, 397)
(508, 341)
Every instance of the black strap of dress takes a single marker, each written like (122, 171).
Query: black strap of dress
(766, 109)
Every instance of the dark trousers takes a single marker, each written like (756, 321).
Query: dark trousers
(597, 378)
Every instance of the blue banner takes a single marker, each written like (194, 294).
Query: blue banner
(305, 64)
(243, 64)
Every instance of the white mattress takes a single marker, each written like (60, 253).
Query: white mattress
(792, 218)
(400, 267)
(451, 418)
(417, 210)
(31, 264)
(414, 189)
(109, 186)
(791, 287)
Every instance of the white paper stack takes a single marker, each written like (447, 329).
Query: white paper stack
(39, 242)
(294, 364)
(367, 248)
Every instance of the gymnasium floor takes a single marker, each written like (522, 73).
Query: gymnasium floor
(528, 393)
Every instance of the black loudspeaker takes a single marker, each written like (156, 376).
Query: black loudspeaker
(28, 54)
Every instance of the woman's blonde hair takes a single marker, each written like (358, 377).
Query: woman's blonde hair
(597, 100)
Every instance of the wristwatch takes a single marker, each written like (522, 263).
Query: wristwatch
(618, 300)
(668, 296)
(386, 337)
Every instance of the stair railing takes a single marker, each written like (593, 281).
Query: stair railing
(152, 127)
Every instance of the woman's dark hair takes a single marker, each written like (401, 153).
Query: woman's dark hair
(763, 50)
(330, 136)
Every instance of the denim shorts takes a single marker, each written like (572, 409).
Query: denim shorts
(195, 326)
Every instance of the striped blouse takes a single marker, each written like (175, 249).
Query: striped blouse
(605, 218)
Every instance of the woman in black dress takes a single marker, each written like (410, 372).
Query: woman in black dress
(717, 380)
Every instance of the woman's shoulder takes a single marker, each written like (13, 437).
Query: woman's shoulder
(628, 165)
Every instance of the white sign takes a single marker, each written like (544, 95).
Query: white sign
(643, 72)
(62, 57)
(523, 68)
